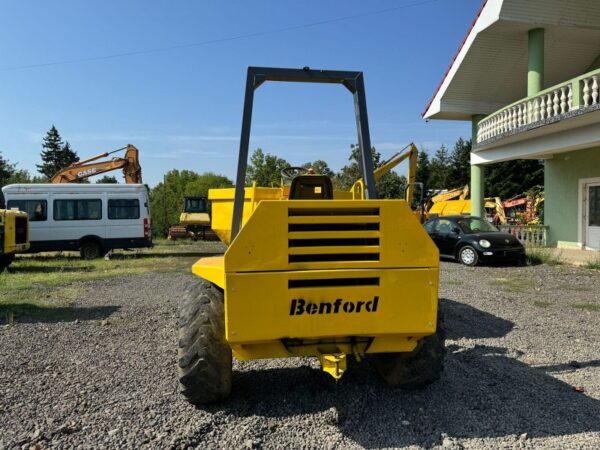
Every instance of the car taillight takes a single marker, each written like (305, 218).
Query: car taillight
(146, 228)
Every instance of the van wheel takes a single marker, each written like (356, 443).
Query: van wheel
(5, 261)
(90, 250)
(416, 369)
(204, 357)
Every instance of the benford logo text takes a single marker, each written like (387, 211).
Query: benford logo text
(300, 306)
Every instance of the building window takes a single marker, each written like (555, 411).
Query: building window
(37, 210)
(594, 215)
(77, 209)
(123, 209)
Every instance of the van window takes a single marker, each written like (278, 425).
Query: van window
(123, 209)
(77, 209)
(36, 209)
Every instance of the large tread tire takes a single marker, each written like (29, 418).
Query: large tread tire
(204, 357)
(416, 369)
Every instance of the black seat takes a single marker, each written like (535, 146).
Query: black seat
(311, 187)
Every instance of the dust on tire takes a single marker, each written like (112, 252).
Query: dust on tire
(204, 357)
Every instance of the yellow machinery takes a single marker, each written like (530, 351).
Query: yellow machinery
(194, 221)
(494, 210)
(449, 203)
(409, 152)
(311, 272)
(14, 235)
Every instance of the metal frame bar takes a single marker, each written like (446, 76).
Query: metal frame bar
(353, 81)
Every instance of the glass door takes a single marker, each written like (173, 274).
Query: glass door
(593, 216)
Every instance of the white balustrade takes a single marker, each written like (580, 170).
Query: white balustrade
(550, 104)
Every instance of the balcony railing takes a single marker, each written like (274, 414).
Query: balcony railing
(580, 92)
(528, 235)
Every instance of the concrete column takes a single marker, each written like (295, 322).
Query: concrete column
(477, 175)
(535, 62)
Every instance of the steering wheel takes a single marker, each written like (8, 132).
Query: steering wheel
(294, 171)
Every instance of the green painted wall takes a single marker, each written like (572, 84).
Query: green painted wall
(535, 61)
(561, 184)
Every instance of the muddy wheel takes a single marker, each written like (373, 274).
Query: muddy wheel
(416, 369)
(204, 358)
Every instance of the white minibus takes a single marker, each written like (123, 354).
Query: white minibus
(91, 218)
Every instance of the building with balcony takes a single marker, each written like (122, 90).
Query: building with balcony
(527, 76)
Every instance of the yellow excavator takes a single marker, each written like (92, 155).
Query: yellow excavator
(130, 163)
(449, 203)
(409, 152)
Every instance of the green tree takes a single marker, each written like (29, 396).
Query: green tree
(320, 167)
(422, 174)
(265, 169)
(55, 155)
(166, 198)
(510, 178)
(107, 179)
(7, 170)
(390, 185)
(460, 164)
(439, 169)
(23, 176)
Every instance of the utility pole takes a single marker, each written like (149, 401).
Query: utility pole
(165, 201)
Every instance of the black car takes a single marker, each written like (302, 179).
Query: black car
(470, 240)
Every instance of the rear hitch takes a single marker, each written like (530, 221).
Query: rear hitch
(334, 364)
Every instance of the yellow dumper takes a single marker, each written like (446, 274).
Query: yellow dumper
(310, 272)
(14, 235)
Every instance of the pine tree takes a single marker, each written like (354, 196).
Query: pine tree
(460, 164)
(440, 169)
(422, 174)
(510, 178)
(55, 155)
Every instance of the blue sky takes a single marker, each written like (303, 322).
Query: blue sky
(182, 107)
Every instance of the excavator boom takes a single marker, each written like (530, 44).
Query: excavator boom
(130, 164)
(410, 152)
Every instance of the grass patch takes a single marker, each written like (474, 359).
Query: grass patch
(587, 307)
(50, 305)
(40, 285)
(537, 255)
(593, 264)
(513, 285)
(542, 304)
(571, 287)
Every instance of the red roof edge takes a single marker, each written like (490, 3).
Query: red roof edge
(454, 57)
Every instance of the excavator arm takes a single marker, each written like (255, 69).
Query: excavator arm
(409, 152)
(130, 163)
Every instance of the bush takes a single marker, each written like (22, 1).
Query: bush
(540, 255)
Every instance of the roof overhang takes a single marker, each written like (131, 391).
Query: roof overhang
(489, 70)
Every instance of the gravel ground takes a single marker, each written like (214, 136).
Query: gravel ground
(103, 376)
